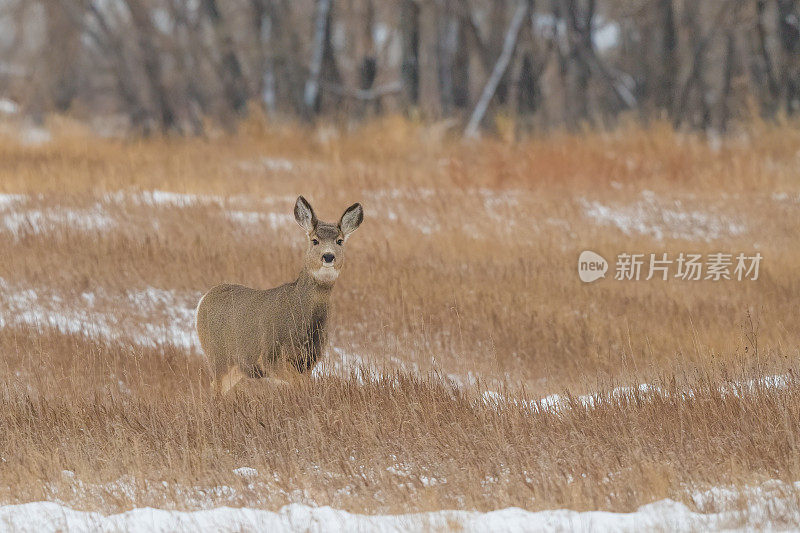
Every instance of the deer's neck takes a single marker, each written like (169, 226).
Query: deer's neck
(313, 295)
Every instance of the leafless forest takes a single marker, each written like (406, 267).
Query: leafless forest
(147, 66)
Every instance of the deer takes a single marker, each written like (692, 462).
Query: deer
(257, 333)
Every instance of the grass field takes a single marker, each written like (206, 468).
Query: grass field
(469, 367)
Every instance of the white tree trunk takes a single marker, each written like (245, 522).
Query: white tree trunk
(510, 42)
(318, 49)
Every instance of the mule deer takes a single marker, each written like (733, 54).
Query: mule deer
(253, 333)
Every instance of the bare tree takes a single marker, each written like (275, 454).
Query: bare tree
(409, 36)
(233, 81)
(499, 70)
(430, 96)
(321, 42)
(170, 65)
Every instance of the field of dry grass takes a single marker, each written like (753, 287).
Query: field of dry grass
(457, 320)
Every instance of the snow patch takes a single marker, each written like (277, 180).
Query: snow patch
(274, 164)
(648, 217)
(11, 200)
(661, 515)
(245, 472)
(38, 221)
(153, 317)
(35, 135)
(254, 218)
(342, 364)
(785, 197)
(8, 107)
(643, 391)
(157, 198)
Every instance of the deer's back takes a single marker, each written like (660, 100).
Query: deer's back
(240, 325)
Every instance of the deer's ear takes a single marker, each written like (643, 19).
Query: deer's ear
(352, 218)
(304, 215)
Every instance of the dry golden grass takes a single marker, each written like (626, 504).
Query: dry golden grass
(460, 286)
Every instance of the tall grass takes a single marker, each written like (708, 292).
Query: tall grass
(461, 281)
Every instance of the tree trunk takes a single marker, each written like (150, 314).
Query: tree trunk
(789, 35)
(234, 85)
(263, 19)
(509, 44)
(311, 93)
(323, 63)
(62, 69)
(460, 71)
(409, 39)
(448, 40)
(151, 64)
(766, 71)
(667, 69)
(576, 71)
(430, 96)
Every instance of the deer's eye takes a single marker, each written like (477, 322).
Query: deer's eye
(340, 241)
(314, 242)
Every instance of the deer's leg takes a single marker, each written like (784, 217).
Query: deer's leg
(228, 381)
(261, 370)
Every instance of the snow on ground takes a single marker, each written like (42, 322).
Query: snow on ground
(255, 219)
(33, 135)
(663, 515)
(174, 199)
(10, 200)
(16, 219)
(8, 107)
(557, 402)
(177, 314)
(40, 220)
(151, 317)
(245, 472)
(341, 362)
(785, 197)
(273, 164)
(648, 217)
(251, 214)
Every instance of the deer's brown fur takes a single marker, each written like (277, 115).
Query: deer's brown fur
(258, 333)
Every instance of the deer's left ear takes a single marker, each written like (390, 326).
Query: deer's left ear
(352, 218)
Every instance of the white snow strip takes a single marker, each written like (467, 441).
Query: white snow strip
(273, 164)
(174, 199)
(8, 107)
(256, 219)
(33, 135)
(648, 217)
(135, 322)
(557, 402)
(663, 515)
(245, 472)
(168, 199)
(343, 363)
(785, 197)
(400, 194)
(11, 200)
(38, 221)
(177, 312)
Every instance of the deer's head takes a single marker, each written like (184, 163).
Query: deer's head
(325, 253)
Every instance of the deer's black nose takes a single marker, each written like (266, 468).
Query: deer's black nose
(328, 258)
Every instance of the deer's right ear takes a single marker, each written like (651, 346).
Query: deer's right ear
(304, 215)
